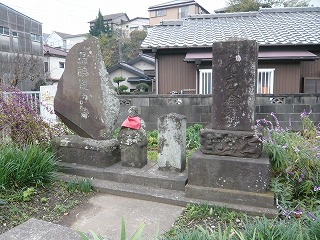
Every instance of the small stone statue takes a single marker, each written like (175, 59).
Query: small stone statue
(133, 140)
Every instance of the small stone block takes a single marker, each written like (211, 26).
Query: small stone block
(86, 151)
(172, 142)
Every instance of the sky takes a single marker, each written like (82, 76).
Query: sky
(72, 17)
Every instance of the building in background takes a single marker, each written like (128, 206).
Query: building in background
(64, 41)
(54, 63)
(174, 10)
(138, 23)
(114, 21)
(21, 49)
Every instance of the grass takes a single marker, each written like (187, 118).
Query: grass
(29, 165)
(49, 202)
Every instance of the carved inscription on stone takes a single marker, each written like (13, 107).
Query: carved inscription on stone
(229, 143)
(234, 67)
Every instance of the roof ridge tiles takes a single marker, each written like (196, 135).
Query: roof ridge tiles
(289, 9)
(219, 15)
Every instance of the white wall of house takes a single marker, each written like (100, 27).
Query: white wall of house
(125, 74)
(144, 65)
(135, 24)
(54, 40)
(56, 67)
(74, 39)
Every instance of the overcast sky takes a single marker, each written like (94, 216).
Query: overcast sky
(72, 16)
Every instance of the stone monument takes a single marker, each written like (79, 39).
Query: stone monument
(133, 140)
(172, 142)
(85, 100)
(228, 168)
(87, 103)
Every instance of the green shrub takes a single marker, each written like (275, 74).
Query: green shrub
(24, 166)
(152, 137)
(193, 136)
(295, 162)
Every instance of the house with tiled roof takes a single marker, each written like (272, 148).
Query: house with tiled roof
(138, 70)
(64, 41)
(54, 63)
(114, 20)
(289, 49)
(173, 10)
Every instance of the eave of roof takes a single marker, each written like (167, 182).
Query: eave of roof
(128, 68)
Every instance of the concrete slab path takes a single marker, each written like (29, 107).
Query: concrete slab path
(102, 214)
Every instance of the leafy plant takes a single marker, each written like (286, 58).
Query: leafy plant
(82, 185)
(142, 87)
(27, 194)
(295, 162)
(24, 166)
(193, 136)
(152, 137)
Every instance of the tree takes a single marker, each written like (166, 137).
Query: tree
(254, 5)
(25, 68)
(130, 47)
(99, 27)
(142, 87)
(118, 80)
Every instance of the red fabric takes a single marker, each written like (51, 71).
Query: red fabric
(131, 122)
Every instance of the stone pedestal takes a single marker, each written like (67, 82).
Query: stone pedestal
(133, 145)
(172, 142)
(228, 179)
(86, 151)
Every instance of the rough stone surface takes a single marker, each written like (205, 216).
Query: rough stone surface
(234, 66)
(242, 174)
(76, 149)
(35, 229)
(85, 100)
(230, 143)
(172, 142)
(133, 143)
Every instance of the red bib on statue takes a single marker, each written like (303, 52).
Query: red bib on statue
(132, 122)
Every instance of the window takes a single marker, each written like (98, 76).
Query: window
(161, 13)
(4, 30)
(183, 12)
(311, 85)
(205, 81)
(133, 28)
(14, 34)
(61, 64)
(46, 67)
(35, 37)
(265, 81)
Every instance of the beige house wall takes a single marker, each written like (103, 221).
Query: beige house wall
(172, 14)
(144, 66)
(125, 74)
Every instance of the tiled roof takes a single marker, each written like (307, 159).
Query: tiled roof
(62, 35)
(111, 17)
(47, 50)
(142, 57)
(285, 26)
(129, 68)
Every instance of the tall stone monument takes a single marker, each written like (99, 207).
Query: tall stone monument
(87, 103)
(85, 100)
(228, 168)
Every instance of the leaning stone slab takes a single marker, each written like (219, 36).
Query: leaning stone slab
(85, 100)
(86, 151)
(172, 142)
(35, 229)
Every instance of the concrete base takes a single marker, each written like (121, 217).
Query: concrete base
(234, 173)
(263, 200)
(231, 180)
(38, 229)
(79, 150)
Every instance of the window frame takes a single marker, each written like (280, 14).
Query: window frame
(161, 13)
(205, 87)
(266, 84)
(35, 37)
(3, 32)
(180, 12)
(62, 64)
